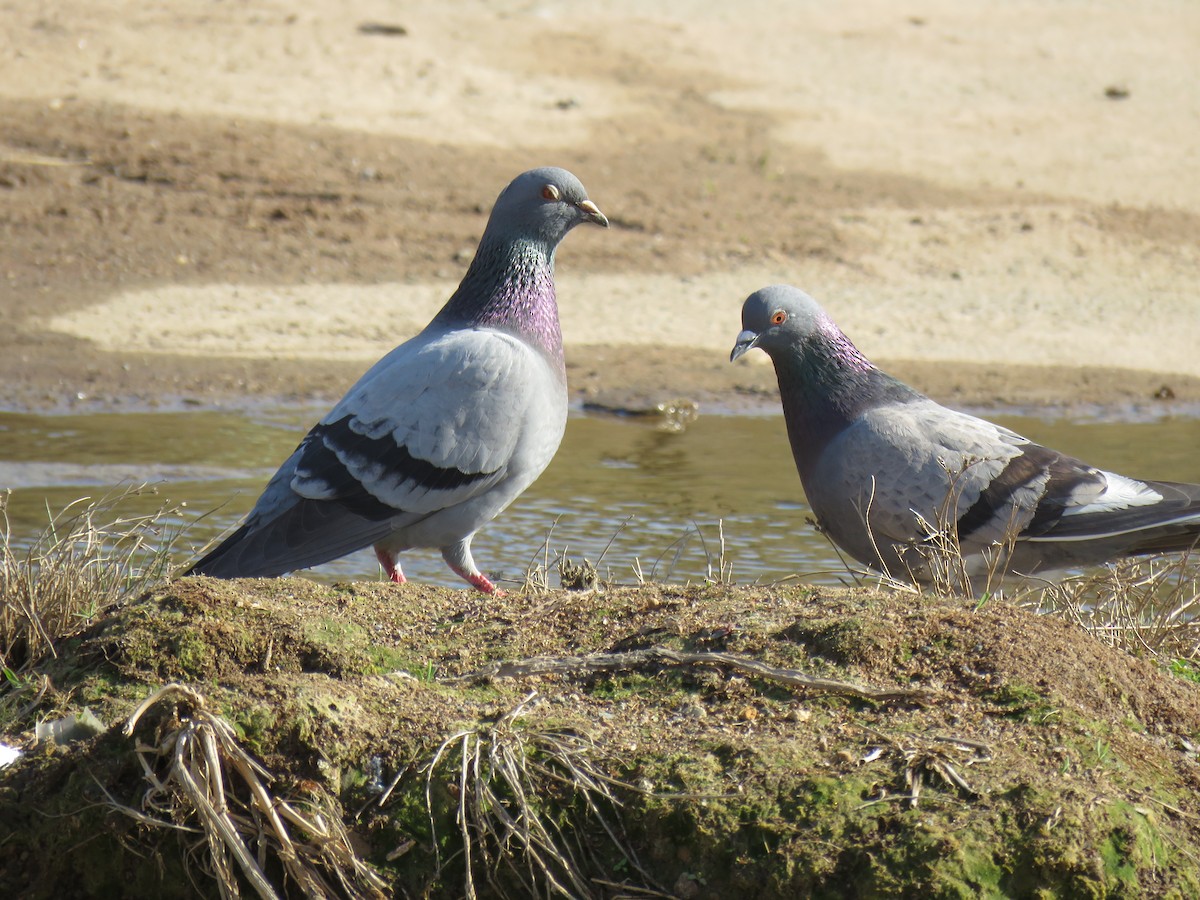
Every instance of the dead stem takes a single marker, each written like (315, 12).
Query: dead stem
(924, 758)
(1145, 606)
(506, 778)
(211, 786)
(597, 662)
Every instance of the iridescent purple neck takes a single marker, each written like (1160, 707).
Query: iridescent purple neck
(510, 288)
(826, 383)
(842, 354)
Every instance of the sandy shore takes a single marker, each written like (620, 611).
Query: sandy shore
(226, 199)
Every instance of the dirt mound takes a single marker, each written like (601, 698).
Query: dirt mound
(695, 741)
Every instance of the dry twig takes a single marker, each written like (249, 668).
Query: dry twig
(925, 757)
(212, 787)
(512, 785)
(632, 659)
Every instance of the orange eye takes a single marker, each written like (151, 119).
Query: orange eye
(779, 317)
(550, 192)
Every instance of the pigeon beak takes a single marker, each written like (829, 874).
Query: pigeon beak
(592, 213)
(747, 340)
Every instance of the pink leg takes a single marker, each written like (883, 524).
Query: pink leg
(391, 566)
(479, 582)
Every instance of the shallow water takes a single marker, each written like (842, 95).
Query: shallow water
(654, 499)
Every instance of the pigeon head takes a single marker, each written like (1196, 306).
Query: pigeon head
(824, 381)
(542, 205)
(781, 318)
(510, 282)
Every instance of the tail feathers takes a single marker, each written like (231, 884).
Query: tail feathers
(1179, 539)
(1172, 521)
(1179, 529)
(307, 534)
(213, 562)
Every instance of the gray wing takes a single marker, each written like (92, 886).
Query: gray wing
(907, 467)
(901, 470)
(438, 421)
(432, 424)
(904, 463)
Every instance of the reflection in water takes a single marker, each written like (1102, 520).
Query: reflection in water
(661, 498)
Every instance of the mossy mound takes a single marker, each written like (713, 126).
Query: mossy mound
(1028, 760)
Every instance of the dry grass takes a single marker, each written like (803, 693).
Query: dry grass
(925, 760)
(572, 576)
(86, 560)
(513, 785)
(586, 575)
(718, 569)
(938, 563)
(203, 785)
(1147, 605)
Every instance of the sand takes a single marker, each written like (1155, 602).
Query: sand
(961, 183)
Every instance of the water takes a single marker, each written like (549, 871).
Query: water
(654, 499)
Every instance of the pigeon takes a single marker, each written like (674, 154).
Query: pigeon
(447, 429)
(884, 467)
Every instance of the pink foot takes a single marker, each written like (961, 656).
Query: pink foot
(390, 566)
(479, 582)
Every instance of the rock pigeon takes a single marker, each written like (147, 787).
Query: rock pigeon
(448, 428)
(883, 466)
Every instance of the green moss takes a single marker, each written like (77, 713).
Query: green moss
(1133, 844)
(623, 687)
(846, 642)
(337, 635)
(1023, 703)
(775, 804)
(254, 725)
(1134, 725)
(979, 868)
(59, 861)
(1014, 694)
(144, 625)
(191, 653)
(1187, 669)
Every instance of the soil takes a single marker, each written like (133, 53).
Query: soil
(1043, 762)
(252, 237)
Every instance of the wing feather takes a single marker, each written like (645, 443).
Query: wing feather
(427, 428)
(435, 423)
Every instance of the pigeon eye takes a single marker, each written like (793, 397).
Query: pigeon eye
(550, 192)
(779, 317)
